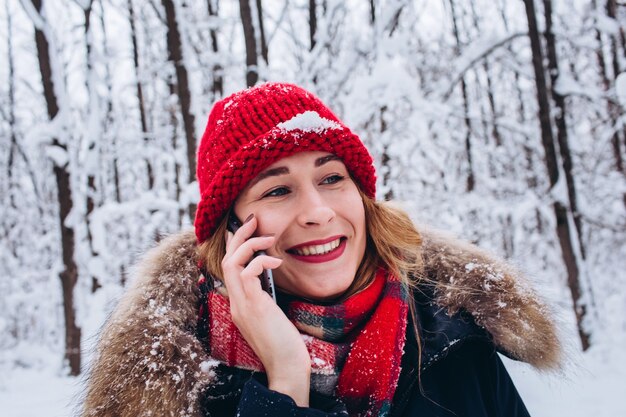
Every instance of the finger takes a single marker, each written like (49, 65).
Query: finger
(258, 265)
(243, 233)
(233, 284)
(245, 252)
(235, 264)
(251, 280)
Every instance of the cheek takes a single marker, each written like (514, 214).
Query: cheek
(355, 212)
(357, 219)
(271, 222)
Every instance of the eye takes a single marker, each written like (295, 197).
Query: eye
(276, 192)
(333, 179)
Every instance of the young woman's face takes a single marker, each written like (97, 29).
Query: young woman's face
(314, 209)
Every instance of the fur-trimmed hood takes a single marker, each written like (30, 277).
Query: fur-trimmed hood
(149, 361)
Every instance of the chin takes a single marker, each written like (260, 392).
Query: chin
(311, 288)
(325, 294)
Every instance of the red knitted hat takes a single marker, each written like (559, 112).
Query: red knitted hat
(250, 130)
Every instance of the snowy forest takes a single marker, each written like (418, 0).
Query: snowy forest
(500, 121)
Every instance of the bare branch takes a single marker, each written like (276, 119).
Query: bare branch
(157, 12)
(475, 60)
(38, 21)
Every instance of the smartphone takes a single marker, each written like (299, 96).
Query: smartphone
(267, 278)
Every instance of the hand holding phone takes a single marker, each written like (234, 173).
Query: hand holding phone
(267, 278)
(262, 323)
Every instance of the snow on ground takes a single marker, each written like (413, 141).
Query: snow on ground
(592, 385)
(30, 393)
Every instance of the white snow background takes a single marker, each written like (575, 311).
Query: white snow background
(399, 91)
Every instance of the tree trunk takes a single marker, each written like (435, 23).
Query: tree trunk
(107, 123)
(531, 177)
(177, 167)
(611, 8)
(561, 124)
(15, 147)
(252, 67)
(385, 160)
(175, 55)
(262, 41)
(140, 99)
(611, 11)
(622, 32)
(218, 77)
(495, 132)
(12, 134)
(109, 82)
(614, 110)
(312, 22)
(560, 211)
(69, 275)
(109, 118)
(520, 93)
(91, 176)
(470, 182)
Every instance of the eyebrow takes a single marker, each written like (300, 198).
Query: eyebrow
(273, 172)
(324, 159)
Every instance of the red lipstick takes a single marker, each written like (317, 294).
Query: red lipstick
(315, 242)
(326, 257)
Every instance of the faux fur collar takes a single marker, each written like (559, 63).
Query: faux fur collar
(497, 296)
(148, 353)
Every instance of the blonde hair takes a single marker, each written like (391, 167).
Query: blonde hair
(393, 243)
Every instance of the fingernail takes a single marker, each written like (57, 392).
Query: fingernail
(248, 218)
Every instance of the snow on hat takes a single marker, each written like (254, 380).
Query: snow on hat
(251, 129)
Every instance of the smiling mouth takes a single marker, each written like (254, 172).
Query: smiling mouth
(320, 251)
(317, 249)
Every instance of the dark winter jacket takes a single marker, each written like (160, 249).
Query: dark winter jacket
(150, 362)
(461, 375)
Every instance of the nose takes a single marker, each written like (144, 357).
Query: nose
(314, 209)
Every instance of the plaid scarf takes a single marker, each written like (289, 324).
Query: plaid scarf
(355, 346)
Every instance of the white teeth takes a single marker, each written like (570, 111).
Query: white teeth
(318, 249)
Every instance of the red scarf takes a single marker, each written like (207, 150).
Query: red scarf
(355, 346)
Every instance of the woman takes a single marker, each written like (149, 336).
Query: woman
(372, 317)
